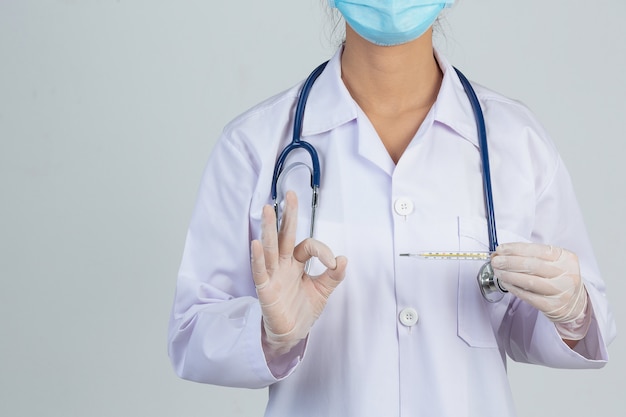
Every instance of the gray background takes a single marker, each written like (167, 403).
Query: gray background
(108, 112)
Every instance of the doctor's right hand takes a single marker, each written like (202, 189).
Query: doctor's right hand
(291, 300)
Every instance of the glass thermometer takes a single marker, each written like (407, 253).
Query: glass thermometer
(468, 256)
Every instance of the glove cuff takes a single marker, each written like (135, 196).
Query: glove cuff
(577, 328)
(279, 344)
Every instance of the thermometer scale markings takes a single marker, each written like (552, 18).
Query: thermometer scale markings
(470, 256)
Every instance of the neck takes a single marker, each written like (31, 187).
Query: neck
(390, 78)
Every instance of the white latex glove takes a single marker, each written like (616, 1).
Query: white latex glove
(548, 278)
(291, 300)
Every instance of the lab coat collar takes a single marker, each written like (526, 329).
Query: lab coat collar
(330, 104)
(452, 107)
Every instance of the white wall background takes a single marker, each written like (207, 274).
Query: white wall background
(108, 111)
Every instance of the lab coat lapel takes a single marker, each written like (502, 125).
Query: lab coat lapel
(371, 147)
(330, 105)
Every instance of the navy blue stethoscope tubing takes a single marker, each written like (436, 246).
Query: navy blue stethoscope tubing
(484, 159)
(298, 143)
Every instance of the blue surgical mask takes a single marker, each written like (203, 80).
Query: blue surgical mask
(390, 22)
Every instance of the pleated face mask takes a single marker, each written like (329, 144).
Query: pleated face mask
(390, 22)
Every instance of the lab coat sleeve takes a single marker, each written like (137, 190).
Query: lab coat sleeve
(527, 334)
(215, 325)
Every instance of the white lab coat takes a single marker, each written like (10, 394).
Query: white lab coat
(365, 356)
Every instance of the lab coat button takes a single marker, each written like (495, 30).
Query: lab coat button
(408, 316)
(403, 206)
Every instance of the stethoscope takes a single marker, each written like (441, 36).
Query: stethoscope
(488, 283)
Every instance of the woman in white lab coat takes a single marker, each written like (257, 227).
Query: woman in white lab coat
(384, 334)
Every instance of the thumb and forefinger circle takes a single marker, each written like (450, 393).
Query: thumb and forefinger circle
(312, 248)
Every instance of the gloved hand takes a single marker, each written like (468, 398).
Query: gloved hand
(547, 278)
(291, 300)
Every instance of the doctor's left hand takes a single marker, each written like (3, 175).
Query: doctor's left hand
(290, 299)
(548, 278)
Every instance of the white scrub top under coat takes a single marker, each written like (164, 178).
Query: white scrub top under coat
(400, 336)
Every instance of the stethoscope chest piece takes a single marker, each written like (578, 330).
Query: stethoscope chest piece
(489, 285)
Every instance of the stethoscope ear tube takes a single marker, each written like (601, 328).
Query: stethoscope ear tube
(296, 143)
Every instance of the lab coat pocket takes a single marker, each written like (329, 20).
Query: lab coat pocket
(478, 320)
